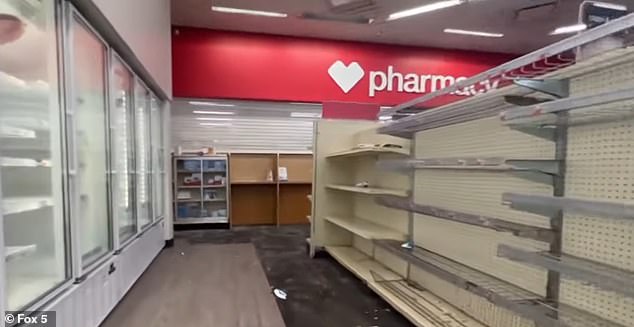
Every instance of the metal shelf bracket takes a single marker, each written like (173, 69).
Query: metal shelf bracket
(519, 230)
(552, 205)
(541, 171)
(554, 87)
(544, 132)
(598, 274)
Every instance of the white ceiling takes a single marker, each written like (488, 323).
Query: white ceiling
(523, 33)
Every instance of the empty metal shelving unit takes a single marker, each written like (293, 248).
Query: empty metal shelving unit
(516, 206)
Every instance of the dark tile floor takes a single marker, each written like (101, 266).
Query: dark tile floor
(321, 293)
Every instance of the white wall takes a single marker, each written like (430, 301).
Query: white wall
(145, 25)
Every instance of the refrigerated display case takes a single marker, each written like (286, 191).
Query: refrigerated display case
(201, 190)
(122, 150)
(31, 164)
(87, 139)
(143, 154)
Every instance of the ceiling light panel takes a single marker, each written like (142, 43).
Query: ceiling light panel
(608, 5)
(248, 12)
(569, 29)
(472, 33)
(206, 112)
(216, 124)
(305, 115)
(424, 9)
(211, 104)
(213, 118)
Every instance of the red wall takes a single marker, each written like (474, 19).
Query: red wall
(215, 64)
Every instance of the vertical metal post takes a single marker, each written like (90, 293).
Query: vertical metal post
(201, 189)
(410, 214)
(561, 144)
(228, 192)
(3, 277)
(277, 189)
(168, 179)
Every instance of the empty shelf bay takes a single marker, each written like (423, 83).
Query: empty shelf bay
(421, 307)
(356, 152)
(365, 228)
(550, 205)
(24, 204)
(499, 292)
(13, 252)
(368, 190)
(433, 118)
(608, 106)
(500, 225)
(487, 164)
(600, 275)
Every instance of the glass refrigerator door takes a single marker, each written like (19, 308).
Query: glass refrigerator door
(88, 136)
(214, 191)
(157, 157)
(122, 143)
(35, 250)
(188, 192)
(143, 154)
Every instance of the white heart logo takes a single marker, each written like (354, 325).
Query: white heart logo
(346, 76)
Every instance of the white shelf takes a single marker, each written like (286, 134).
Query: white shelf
(188, 200)
(16, 132)
(356, 152)
(199, 186)
(13, 252)
(359, 263)
(215, 200)
(23, 204)
(368, 190)
(366, 229)
(194, 221)
(23, 162)
(189, 186)
(214, 186)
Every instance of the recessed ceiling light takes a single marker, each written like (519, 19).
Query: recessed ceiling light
(205, 112)
(424, 9)
(211, 104)
(305, 115)
(248, 12)
(211, 118)
(569, 29)
(472, 33)
(306, 103)
(608, 5)
(216, 124)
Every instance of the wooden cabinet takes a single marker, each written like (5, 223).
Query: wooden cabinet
(258, 195)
